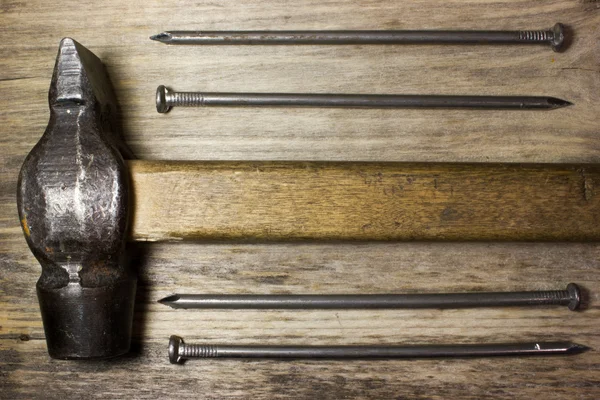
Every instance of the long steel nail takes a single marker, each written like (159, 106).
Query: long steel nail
(554, 37)
(166, 98)
(570, 297)
(179, 351)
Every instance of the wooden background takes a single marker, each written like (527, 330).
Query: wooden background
(118, 33)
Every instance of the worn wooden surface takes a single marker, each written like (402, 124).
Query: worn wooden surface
(118, 33)
(277, 201)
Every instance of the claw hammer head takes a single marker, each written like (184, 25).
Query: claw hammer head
(73, 200)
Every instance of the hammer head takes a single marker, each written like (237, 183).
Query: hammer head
(73, 200)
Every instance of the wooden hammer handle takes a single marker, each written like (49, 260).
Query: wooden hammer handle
(363, 201)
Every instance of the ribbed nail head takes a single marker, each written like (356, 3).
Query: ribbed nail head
(558, 38)
(575, 295)
(174, 343)
(161, 99)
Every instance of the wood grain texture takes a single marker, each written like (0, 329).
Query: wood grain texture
(363, 201)
(118, 33)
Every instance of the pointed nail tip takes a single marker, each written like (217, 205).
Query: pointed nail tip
(160, 37)
(565, 103)
(576, 348)
(169, 300)
(558, 103)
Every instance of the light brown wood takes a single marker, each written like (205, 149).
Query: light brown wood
(363, 201)
(118, 33)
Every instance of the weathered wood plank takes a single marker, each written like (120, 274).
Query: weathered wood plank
(118, 33)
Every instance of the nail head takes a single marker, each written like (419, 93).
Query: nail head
(174, 343)
(161, 99)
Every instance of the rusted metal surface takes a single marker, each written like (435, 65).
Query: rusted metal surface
(73, 201)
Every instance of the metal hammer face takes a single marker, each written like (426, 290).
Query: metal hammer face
(73, 200)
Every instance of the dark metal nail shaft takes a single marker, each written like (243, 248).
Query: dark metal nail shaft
(570, 297)
(166, 98)
(553, 36)
(180, 351)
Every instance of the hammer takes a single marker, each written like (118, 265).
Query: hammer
(79, 201)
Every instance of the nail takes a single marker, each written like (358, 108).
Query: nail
(570, 297)
(554, 36)
(179, 351)
(166, 98)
